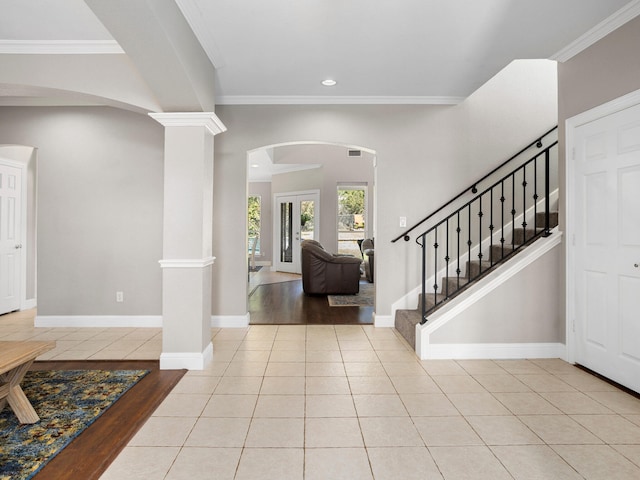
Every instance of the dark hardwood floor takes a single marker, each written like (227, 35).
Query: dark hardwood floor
(91, 452)
(286, 304)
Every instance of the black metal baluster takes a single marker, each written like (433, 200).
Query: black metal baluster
(524, 200)
(502, 219)
(480, 214)
(547, 230)
(491, 228)
(458, 254)
(469, 243)
(535, 193)
(435, 266)
(446, 258)
(513, 209)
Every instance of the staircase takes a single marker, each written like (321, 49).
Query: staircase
(406, 320)
(483, 233)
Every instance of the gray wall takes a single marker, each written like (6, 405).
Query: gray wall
(100, 174)
(603, 72)
(424, 154)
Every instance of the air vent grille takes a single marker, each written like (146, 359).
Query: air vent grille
(354, 153)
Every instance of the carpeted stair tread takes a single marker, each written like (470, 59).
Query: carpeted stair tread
(553, 219)
(405, 323)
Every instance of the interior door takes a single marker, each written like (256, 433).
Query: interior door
(607, 255)
(10, 241)
(296, 220)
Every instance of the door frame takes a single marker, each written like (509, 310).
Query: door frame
(276, 219)
(22, 288)
(571, 125)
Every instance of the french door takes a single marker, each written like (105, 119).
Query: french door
(606, 209)
(10, 237)
(296, 219)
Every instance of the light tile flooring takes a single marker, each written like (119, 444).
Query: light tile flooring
(334, 402)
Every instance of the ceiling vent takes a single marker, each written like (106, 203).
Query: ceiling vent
(354, 153)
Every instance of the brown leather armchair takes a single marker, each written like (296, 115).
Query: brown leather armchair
(368, 254)
(326, 273)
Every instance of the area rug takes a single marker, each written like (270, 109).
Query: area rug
(362, 299)
(67, 402)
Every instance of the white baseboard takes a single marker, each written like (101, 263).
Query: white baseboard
(188, 360)
(99, 321)
(230, 321)
(29, 303)
(383, 321)
(494, 351)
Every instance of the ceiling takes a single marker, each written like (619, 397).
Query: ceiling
(278, 51)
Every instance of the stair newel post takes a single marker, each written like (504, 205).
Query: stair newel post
(547, 230)
(423, 297)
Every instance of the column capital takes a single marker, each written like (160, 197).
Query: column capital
(209, 120)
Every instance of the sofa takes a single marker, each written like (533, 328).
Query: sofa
(367, 248)
(324, 273)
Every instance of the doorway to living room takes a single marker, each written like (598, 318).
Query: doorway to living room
(288, 215)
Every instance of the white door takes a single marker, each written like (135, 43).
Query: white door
(607, 246)
(296, 220)
(10, 241)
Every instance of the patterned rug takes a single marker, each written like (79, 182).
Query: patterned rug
(67, 402)
(362, 299)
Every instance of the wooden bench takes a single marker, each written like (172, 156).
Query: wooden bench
(15, 360)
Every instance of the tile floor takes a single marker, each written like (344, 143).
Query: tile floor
(334, 402)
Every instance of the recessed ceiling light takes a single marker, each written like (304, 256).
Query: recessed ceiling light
(328, 82)
(255, 165)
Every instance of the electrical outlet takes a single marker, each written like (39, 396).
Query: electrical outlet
(119, 297)
(403, 222)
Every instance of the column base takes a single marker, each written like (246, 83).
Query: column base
(188, 360)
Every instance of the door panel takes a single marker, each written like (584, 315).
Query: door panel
(297, 220)
(607, 246)
(10, 241)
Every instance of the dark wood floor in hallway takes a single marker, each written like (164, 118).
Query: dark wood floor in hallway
(285, 303)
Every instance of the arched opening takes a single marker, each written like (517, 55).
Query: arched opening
(304, 180)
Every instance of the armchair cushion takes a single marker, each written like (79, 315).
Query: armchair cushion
(326, 273)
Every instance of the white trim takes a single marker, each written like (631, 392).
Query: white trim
(494, 351)
(30, 303)
(60, 47)
(604, 28)
(99, 321)
(230, 321)
(500, 275)
(571, 124)
(188, 360)
(187, 262)
(209, 120)
(327, 100)
(385, 321)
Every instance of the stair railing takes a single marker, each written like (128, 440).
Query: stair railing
(466, 235)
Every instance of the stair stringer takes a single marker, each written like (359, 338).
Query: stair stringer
(410, 299)
(454, 307)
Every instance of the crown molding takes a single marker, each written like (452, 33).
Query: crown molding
(604, 28)
(60, 47)
(327, 100)
(209, 120)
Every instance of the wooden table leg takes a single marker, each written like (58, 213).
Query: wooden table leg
(17, 399)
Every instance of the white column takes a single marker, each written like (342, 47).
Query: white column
(187, 243)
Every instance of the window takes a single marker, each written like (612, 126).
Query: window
(352, 214)
(253, 217)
